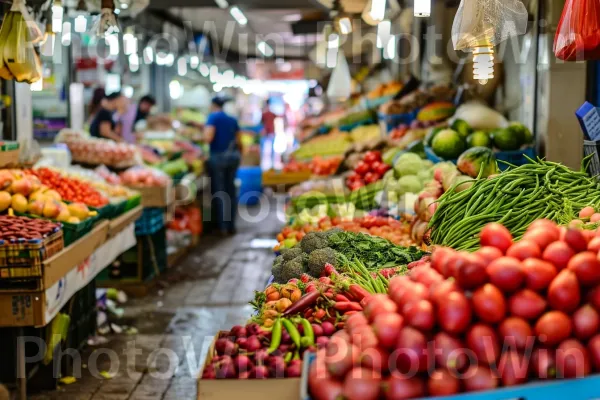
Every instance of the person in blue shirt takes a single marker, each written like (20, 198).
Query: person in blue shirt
(222, 132)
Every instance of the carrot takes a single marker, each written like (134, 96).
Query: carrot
(347, 306)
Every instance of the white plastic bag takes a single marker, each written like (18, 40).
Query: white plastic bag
(487, 22)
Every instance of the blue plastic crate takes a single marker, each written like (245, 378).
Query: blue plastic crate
(515, 157)
(151, 221)
(392, 121)
(572, 389)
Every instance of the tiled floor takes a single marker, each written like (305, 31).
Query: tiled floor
(208, 292)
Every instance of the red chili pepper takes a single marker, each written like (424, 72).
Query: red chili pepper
(347, 306)
(311, 319)
(308, 313)
(328, 294)
(341, 297)
(325, 280)
(340, 325)
(358, 292)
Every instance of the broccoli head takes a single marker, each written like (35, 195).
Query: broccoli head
(277, 267)
(326, 234)
(318, 258)
(290, 254)
(313, 241)
(293, 268)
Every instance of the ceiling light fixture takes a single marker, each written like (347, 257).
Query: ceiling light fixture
(129, 43)
(384, 29)
(422, 8)
(204, 70)
(134, 62)
(340, 81)
(389, 52)
(181, 66)
(483, 64)
(333, 45)
(222, 3)
(292, 17)
(238, 15)
(148, 55)
(194, 62)
(265, 49)
(57, 16)
(65, 37)
(378, 9)
(344, 25)
(80, 23)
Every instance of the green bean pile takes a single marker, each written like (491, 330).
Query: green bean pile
(515, 198)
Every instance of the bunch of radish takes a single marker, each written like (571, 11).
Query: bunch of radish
(507, 314)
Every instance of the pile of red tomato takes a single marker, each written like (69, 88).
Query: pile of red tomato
(70, 189)
(370, 169)
(317, 166)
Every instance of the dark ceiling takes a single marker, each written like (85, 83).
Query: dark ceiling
(243, 4)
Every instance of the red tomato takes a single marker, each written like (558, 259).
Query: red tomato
(374, 167)
(371, 177)
(361, 168)
(372, 156)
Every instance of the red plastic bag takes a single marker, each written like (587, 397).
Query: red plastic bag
(578, 33)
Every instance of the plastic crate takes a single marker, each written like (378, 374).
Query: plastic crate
(251, 185)
(589, 148)
(23, 258)
(392, 121)
(151, 221)
(573, 389)
(73, 232)
(133, 202)
(515, 157)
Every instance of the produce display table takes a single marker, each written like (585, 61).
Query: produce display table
(64, 274)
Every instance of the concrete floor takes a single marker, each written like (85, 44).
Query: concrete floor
(208, 292)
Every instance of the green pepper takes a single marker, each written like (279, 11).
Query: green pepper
(309, 335)
(275, 337)
(291, 329)
(288, 357)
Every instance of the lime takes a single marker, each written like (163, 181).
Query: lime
(510, 138)
(479, 138)
(448, 144)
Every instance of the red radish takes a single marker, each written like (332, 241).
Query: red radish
(411, 352)
(572, 360)
(398, 387)
(225, 369)
(442, 383)
(449, 352)
(364, 338)
(323, 387)
(361, 384)
(238, 331)
(575, 239)
(558, 253)
(543, 364)
(340, 357)
(294, 369)
(483, 342)
(261, 355)
(409, 293)
(543, 223)
(387, 327)
(516, 332)
(478, 377)
(526, 304)
(563, 293)
(594, 244)
(496, 235)
(225, 346)
(440, 291)
(595, 218)
(399, 282)
(553, 327)
(586, 322)
(576, 223)
(241, 342)
(419, 314)
(524, 249)
(317, 330)
(506, 273)
(276, 366)
(242, 363)
(454, 264)
(379, 304)
(594, 351)
(471, 273)
(439, 258)
(488, 304)
(376, 359)
(328, 328)
(321, 341)
(586, 212)
(454, 314)
(542, 236)
(489, 253)
(587, 268)
(513, 368)
(355, 321)
(538, 273)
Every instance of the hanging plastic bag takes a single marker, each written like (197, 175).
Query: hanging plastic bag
(487, 22)
(578, 33)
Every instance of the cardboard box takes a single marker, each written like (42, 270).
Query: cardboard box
(58, 265)
(155, 196)
(247, 389)
(22, 309)
(9, 158)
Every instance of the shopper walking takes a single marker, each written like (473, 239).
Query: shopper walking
(223, 133)
(267, 153)
(104, 125)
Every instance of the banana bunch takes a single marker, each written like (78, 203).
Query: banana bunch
(18, 58)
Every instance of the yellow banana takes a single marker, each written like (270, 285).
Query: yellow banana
(4, 31)
(17, 53)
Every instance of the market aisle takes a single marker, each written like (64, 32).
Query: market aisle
(209, 291)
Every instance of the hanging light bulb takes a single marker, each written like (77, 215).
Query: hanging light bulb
(378, 9)
(422, 8)
(214, 73)
(194, 62)
(333, 44)
(38, 85)
(65, 37)
(181, 66)
(57, 16)
(344, 25)
(389, 52)
(204, 70)
(483, 64)
(148, 55)
(134, 62)
(113, 44)
(384, 29)
(80, 23)
(130, 43)
(47, 48)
